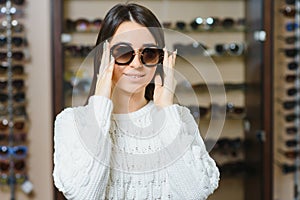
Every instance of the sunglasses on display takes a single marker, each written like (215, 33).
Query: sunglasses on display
(288, 11)
(78, 51)
(149, 56)
(14, 12)
(16, 41)
(292, 65)
(6, 179)
(15, 69)
(291, 130)
(292, 91)
(289, 39)
(17, 84)
(19, 166)
(17, 111)
(290, 154)
(291, 26)
(18, 125)
(18, 97)
(17, 55)
(291, 117)
(83, 25)
(291, 78)
(16, 137)
(206, 23)
(288, 105)
(291, 143)
(17, 2)
(233, 49)
(17, 152)
(198, 111)
(195, 48)
(234, 168)
(229, 145)
(290, 2)
(290, 53)
(16, 27)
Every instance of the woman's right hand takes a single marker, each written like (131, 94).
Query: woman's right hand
(104, 80)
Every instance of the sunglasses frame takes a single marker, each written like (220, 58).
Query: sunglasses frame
(140, 53)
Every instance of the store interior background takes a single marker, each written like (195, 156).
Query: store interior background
(39, 83)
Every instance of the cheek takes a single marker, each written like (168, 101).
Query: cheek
(117, 73)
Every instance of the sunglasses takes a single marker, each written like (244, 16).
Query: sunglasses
(291, 130)
(291, 78)
(16, 41)
(83, 25)
(17, 179)
(291, 26)
(195, 48)
(232, 49)
(198, 111)
(18, 97)
(288, 105)
(290, 154)
(17, 111)
(288, 12)
(18, 125)
(291, 117)
(17, 55)
(229, 145)
(290, 2)
(292, 91)
(78, 51)
(149, 56)
(15, 69)
(17, 152)
(19, 166)
(289, 39)
(19, 137)
(292, 65)
(18, 84)
(15, 26)
(207, 23)
(290, 53)
(17, 2)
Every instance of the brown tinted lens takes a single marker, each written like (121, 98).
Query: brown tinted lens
(19, 125)
(151, 56)
(123, 54)
(4, 166)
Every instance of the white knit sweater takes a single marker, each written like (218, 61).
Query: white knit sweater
(146, 154)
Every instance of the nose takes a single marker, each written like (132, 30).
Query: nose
(136, 62)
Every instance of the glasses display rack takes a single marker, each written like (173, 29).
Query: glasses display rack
(14, 119)
(286, 93)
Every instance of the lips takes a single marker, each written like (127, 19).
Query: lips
(132, 75)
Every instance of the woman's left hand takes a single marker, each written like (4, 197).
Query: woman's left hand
(164, 93)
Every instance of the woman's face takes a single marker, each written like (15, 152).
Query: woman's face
(133, 77)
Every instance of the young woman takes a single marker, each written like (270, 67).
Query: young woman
(130, 141)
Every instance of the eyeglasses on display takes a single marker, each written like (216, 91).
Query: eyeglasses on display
(4, 125)
(16, 26)
(16, 110)
(232, 49)
(149, 56)
(19, 166)
(17, 152)
(16, 41)
(18, 84)
(17, 55)
(288, 11)
(16, 137)
(83, 25)
(19, 178)
(18, 97)
(17, 2)
(15, 69)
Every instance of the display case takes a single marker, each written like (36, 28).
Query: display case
(229, 40)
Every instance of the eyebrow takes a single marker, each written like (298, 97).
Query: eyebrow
(130, 44)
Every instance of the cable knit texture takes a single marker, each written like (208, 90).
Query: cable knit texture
(90, 141)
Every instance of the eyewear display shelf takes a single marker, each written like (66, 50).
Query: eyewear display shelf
(225, 40)
(286, 100)
(14, 119)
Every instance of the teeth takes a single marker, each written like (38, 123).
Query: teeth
(134, 76)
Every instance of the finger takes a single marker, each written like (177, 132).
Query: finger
(157, 81)
(165, 61)
(105, 57)
(174, 58)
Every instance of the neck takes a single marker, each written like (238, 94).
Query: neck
(125, 102)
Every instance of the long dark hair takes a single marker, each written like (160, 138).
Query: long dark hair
(114, 18)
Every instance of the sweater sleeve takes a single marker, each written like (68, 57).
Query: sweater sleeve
(81, 169)
(195, 175)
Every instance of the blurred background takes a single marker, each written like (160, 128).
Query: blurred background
(253, 43)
